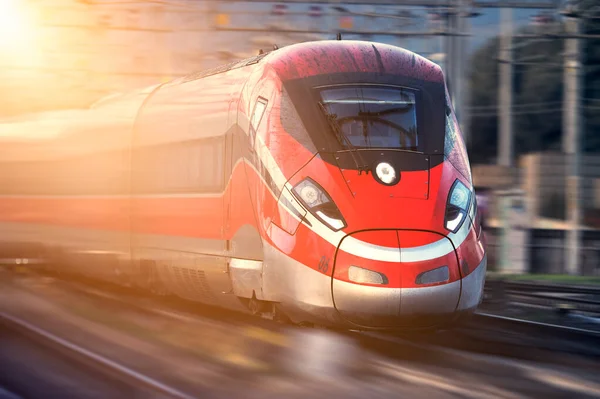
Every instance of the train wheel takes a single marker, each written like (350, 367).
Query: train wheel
(256, 307)
(279, 316)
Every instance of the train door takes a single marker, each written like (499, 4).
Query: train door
(242, 233)
(227, 175)
(231, 183)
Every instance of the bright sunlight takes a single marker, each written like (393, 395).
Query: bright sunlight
(17, 30)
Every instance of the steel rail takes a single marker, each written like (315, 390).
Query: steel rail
(523, 339)
(511, 322)
(499, 337)
(106, 365)
(546, 287)
(544, 295)
(549, 297)
(488, 329)
(479, 324)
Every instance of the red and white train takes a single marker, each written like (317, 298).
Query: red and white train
(326, 182)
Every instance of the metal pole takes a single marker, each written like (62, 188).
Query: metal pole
(432, 40)
(572, 132)
(505, 122)
(458, 61)
(463, 22)
(451, 56)
(448, 58)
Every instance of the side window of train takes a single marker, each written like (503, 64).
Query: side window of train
(257, 115)
(450, 139)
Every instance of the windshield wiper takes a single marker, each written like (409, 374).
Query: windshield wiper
(332, 121)
(385, 112)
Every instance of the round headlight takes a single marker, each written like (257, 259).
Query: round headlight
(386, 173)
(309, 194)
(460, 196)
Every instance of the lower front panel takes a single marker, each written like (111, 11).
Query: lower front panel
(391, 293)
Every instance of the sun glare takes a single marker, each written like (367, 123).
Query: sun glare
(17, 28)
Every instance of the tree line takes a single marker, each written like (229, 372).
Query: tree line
(537, 93)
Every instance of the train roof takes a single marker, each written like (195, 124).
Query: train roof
(334, 56)
(128, 99)
(339, 56)
(107, 124)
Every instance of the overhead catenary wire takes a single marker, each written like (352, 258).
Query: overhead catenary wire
(532, 112)
(516, 105)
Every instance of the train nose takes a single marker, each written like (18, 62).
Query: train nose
(395, 278)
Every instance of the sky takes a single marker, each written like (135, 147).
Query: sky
(483, 27)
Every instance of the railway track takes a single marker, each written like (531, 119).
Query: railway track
(524, 287)
(584, 299)
(503, 338)
(557, 331)
(518, 335)
(488, 341)
(411, 365)
(484, 333)
(119, 380)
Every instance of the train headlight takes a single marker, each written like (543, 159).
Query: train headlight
(318, 202)
(365, 276)
(310, 195)
(457, 206)
(439, 275)
(386, 173)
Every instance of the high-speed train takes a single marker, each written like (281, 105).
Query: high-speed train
(323, 183)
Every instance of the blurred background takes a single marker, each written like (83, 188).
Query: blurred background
(523, 75)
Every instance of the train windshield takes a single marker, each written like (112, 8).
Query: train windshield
(366, 116)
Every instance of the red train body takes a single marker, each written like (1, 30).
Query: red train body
(325, 181)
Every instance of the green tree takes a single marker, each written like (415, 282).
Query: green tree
(537, 93)
(591, 92)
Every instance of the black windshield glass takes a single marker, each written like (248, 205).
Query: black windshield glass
(373, 116)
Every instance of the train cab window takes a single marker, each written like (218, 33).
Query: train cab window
(450, 138)
(372, 116)
(259, 110)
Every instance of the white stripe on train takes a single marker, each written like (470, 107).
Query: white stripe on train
(357, 247)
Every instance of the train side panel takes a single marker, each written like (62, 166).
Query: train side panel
(64, 183)
(183, 176)
(235, 183)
